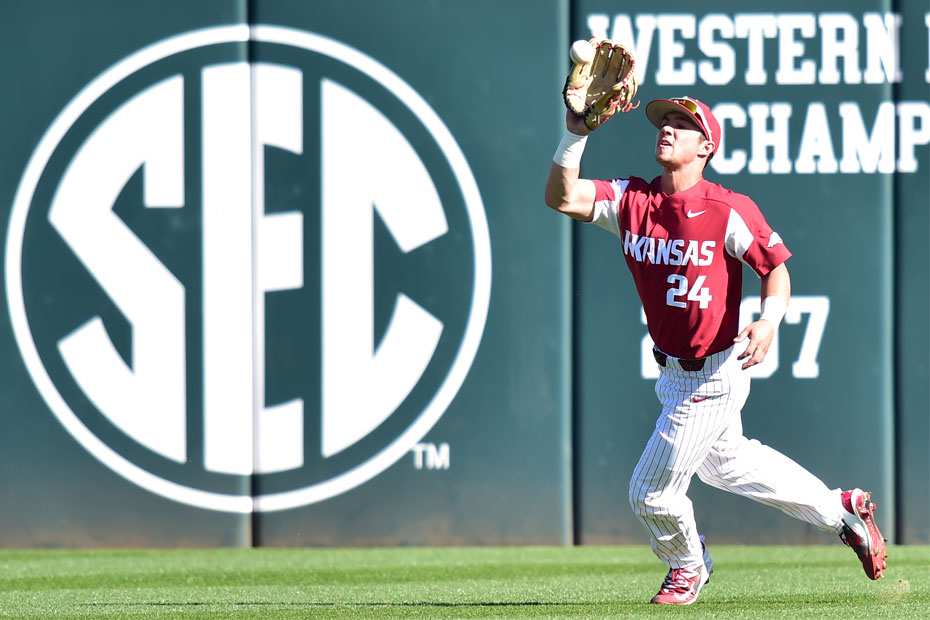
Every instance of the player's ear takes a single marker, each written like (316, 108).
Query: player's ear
(707, 148)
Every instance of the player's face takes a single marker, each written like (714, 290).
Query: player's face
(678, 141)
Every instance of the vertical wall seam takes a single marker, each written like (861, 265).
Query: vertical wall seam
(569, 12)
(247, 14)
(894, 326)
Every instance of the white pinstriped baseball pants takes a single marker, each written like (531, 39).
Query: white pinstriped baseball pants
(700, 431)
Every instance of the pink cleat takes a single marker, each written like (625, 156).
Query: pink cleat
(681, 586)
(861, 533)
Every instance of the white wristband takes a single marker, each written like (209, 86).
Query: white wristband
(773, 309)
(568, 155)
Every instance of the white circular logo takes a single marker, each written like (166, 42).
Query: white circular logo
(205, 253)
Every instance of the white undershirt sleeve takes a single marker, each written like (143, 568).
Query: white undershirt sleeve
(606, 210)
(738, 236)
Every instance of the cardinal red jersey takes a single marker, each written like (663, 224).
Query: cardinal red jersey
(686, 253)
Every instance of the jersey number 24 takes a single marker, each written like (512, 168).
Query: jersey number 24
(680, 289)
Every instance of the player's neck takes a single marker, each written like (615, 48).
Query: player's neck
(679, 179)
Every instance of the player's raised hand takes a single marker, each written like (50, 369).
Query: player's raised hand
(760, 335)
(575, 124)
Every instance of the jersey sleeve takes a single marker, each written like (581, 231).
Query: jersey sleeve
(607, 204)
(750, 239)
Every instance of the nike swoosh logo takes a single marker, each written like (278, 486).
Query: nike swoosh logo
(695, 213)
(699, 399)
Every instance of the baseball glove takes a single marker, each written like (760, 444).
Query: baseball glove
(596, 90)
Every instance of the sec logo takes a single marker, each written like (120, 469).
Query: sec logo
(248, 268)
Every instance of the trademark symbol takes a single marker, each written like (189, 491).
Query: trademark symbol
(431, 456)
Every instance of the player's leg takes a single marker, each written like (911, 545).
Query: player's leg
(658, 495)
(746, 467)
(749, 468)
(697, 407)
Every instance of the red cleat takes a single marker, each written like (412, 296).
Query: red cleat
(681, 586)
(861, 533)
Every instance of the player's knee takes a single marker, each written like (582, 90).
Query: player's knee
(638, 506)
(637, 497)
(648, 500)
(647, 506)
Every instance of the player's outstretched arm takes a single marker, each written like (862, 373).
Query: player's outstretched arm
(565, 191)
(776, 291)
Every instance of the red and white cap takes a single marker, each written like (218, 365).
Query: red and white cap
(697, 110)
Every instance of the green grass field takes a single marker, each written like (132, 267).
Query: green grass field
(517, 582)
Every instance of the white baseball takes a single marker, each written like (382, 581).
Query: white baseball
(582, 52)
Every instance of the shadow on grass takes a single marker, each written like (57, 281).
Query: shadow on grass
(335, 605)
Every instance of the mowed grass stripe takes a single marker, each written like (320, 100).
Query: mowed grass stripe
(519, 582)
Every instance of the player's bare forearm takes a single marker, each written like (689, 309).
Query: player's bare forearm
(568, 194)
(776, 283)
(565, 191)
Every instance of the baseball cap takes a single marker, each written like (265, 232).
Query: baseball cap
(697, 110)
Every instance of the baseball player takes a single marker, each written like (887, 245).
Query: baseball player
(685, 241)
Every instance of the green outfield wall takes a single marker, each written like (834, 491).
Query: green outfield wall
(278, 273)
